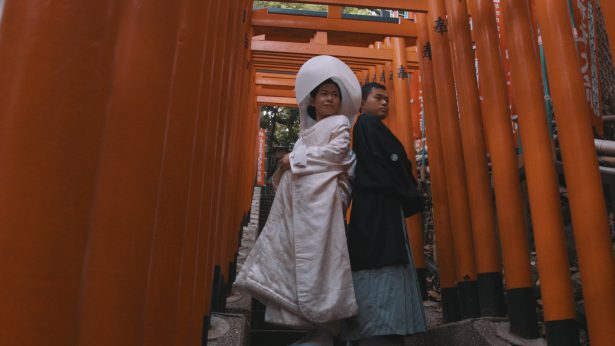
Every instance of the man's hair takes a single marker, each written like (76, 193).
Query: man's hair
(366, 89)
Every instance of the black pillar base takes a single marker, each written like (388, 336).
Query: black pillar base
(232, 275)
(205, 334)
(222, 296)
(522, 312)
(468, 298)
(451, 310)
(491, 293)
(421, 274)
(562, 333)
(216, 290)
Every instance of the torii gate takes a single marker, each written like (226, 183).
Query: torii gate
(463, 151)
(276, 60)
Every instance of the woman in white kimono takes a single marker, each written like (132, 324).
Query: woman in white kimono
(299, 266)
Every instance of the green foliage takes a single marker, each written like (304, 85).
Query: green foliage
(282, 125)
(310, 7)
(294, 6)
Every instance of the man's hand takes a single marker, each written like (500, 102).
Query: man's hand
(284, 163)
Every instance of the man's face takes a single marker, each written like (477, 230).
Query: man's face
(377, 103)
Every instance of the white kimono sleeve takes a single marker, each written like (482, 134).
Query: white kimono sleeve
(334, 156)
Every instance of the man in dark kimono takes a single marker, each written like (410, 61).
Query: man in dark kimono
(384, 194)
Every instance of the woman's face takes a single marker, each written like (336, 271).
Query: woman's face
(327, 101)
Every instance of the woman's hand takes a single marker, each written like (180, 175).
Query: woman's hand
(284, 163)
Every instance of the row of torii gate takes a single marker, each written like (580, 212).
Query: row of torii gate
(129, 153)
(438, 46)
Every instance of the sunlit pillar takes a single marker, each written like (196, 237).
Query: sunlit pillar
(488, 266)
(509, 199)
(583, 181)
(543, 187)
(402, 127)
(439, 194)
(454, 161)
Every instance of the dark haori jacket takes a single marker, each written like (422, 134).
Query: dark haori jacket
(383, 187)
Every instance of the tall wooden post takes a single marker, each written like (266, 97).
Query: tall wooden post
(488, 266)
(231, 214)
(608, 11)
(509, 199)
(168, 238)
(195, 269)
(541, 176)
(583, 181)
(363, 77)
(371, 74)
(380, 76)
(120, 242)
(453, 156)
(402, 127)
(211, 270)
(53, 105)
(389, 75)
(439, 194)
(415, 104)
(223, 193)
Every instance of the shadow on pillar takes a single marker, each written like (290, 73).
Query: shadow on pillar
(451, 306)
(491, 293)
(421, 274)
(468, 299)
(522, 312)
(562, 333)
(218, 292)
(218, 300)
(205, 333)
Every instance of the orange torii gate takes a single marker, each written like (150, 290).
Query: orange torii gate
(129, 148)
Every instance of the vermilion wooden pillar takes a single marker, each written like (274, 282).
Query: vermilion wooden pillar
(252, 128)
(124, 214)
(363, 76)
(372, 74)
(231, 215)
(508, 196)
(53, 102)
(402, 121)
(380, 78)
(389, 75)
(442, 224)
(415, 104)
(169, 230)
(401, 125)
(221, 193)
(239, 167)
(543, 188)
(188, 326)
(205, 217)
(608, 11)
(454, 163)
(583, 181)
(488, 266)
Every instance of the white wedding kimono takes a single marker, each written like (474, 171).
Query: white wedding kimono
(299, 266)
